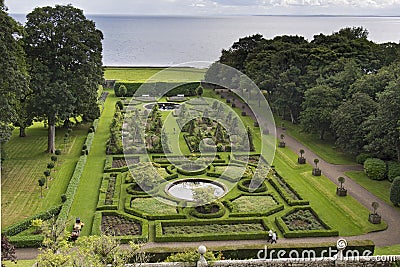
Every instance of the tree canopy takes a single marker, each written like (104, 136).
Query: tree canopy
(64, 51)
(341, 85)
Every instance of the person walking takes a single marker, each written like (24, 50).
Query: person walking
(270, 232)
(274, 238)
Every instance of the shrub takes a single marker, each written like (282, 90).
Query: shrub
(63, 198)
(393, 170)
(191, 256)
(57, 152)
(361, 158)
(395, 191)
(375, 169)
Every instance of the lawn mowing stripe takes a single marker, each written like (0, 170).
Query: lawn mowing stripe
(86, 197)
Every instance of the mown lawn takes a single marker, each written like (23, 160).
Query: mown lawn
(324, 148)
(380, 189)
(20, 263)
(25, 163)
(163, 74)
(86, 197)
(342, 213)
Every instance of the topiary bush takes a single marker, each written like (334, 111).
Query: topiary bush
(395, 191)
(375, 168)
(361, 158)
(393, 170)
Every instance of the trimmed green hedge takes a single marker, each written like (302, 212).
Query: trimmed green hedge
(375, 168)
(96, 229)
(160, 237)
(128, 209)
(25, 224)
(242, 187)
(109, 160)
(101, 205)
(306, 233)
(30, 241)
(221, 212)
(72, 187)
(154, 89)
(285, 195)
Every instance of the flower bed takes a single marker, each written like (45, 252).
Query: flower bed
(303, 222)
(213, 229)
(119, 226)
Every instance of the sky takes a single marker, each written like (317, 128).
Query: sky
(218, 7)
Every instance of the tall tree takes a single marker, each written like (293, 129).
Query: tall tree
(347, 122)
(64, 51)
(383, 138)
(13, 74)
(319, 103)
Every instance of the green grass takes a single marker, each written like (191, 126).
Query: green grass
(26, 161)
(141, 74)
(20, 263)
(253, 203)
(153, 206)
(380, 189)
(324, 148)
(390, 250)
(85, 201)
(342, 213)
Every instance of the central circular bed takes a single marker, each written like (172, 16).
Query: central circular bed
(183, 189)
(163, 106)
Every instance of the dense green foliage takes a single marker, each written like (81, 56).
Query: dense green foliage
(395, 191)
(64, 51)
(393, 170)
(340, 85)
(128, 88)
(375, 169)
(13, 74)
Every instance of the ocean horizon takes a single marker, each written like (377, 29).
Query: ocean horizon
(159, 41)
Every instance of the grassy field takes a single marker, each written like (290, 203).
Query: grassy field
(324, 148)
(20, 263)
(391, 250)
(85, 201)
(26, 161)
(380, 189)
(342, 213)
(163, 74)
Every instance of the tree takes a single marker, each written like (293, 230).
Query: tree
(50, 165)
(341, 180)
(347, 121)
(395, 191)
(47, 175)
(375, 206)
(13, 74)
(301, 152)
(319, 103)
(316, 161)
(7, 249)
(383, 138)
(64, 52)
(42, 182)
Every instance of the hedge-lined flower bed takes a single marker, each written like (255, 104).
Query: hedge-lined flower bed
(244, 185)
(151, 208)
(309, 218)
(126, 227)
(215, 229)
(284, 194)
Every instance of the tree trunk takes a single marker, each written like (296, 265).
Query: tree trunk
(51, 138)
(292, 117)
(321, 135)
(22, 132)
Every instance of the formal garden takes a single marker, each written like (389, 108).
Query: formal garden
(149, 194)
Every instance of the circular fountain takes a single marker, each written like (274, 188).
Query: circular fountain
(183, 189)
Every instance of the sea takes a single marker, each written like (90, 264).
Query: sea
(173, 40)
